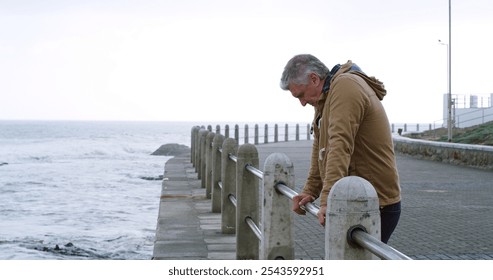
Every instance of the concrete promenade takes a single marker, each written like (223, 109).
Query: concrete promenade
(447, 212)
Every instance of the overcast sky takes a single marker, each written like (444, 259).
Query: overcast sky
(220, 60)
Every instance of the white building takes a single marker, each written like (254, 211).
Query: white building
(468, 110)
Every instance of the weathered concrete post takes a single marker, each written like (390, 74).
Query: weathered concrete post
(218, 129)
(276, 133)
(226, 131)
(255, 133)
(266, 134)
(308, 130)
(286, 133)
(197, 151)
(246, 134)
(217, 143)
(277, 231)
(352, 202)
(237, 133)
(201, 153)
(247, 193)
(228, 179)
(297, 132)
(195, 131)
(208, 164)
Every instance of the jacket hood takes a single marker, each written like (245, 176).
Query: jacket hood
(373, 82)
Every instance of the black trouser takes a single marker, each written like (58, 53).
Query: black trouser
(389, 216)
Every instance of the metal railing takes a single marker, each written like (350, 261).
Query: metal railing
(275, 133)
(263, 227)
(271, 133)
(471, 117)
(356, 235)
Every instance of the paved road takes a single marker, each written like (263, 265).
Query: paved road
(447, 212)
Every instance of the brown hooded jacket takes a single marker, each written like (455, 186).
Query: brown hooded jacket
(352, 137)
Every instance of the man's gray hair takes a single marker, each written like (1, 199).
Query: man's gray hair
(299, 67)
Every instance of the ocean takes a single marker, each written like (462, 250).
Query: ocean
(88, 190)
(81, 190)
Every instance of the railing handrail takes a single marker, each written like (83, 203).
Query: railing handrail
(232, 198)
(254, 227)
(377, 247)
(233, 157)
(289, 193)
(359, 237)
(259, 174)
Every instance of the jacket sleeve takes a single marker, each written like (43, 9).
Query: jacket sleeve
(343, 115)
(313, 184)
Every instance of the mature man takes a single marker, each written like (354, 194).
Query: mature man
(352, 134)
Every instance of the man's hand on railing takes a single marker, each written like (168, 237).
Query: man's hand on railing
(299, 202)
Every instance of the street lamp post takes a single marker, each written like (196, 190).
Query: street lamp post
(449, 50)
(449, 95)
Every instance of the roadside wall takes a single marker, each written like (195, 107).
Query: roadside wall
(477, 156)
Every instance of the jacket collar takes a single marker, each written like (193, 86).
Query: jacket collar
(336, 71)
(329, 77)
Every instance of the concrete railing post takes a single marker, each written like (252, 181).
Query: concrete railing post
(218, 129)
(192, 145)
(352, 202)
(226, 131)
(286, 133)
(237, 133)
(255, 133)
(297, 132)
(247, 193)
(246, 136)
(228, 180)
(277, 231)
(197, 150)
(208, 164)
(201, 153)
(216, 173)
(266, 134)
(276, 133)
(308, 130)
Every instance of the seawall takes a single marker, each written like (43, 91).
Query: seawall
(477, 156)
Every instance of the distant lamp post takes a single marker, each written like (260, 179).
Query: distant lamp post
(449, 94)
(449, 68)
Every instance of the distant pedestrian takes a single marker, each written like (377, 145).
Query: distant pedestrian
(352, 134)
